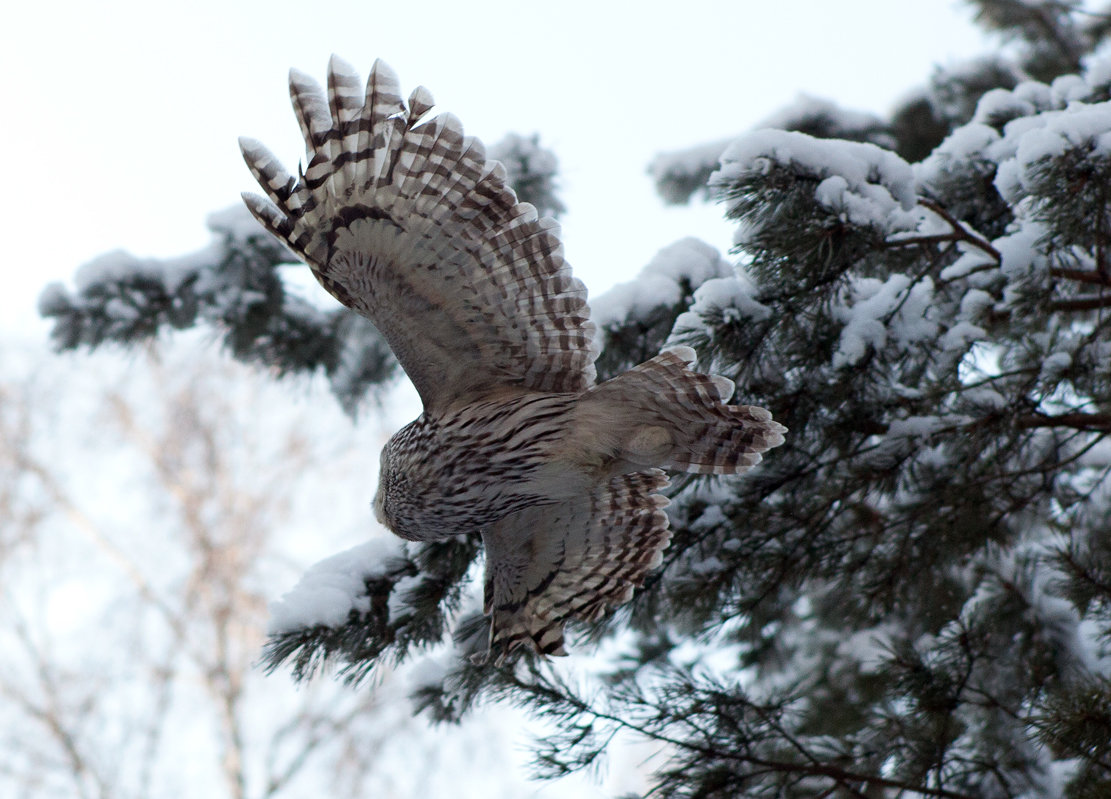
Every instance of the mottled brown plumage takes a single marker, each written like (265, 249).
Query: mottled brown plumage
(404, 220)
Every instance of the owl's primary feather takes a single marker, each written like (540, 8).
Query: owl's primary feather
(403, 219)
(406, 222)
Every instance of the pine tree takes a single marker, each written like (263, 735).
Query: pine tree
(913, 595)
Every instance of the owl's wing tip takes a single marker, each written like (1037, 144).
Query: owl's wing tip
(511, 635)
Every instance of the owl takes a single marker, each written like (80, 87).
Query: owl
(403, 219)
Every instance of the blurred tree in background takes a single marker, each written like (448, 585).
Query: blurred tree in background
(150, 508)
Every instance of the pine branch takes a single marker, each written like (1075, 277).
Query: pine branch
(1091, 580)
(813, 767)
(425, 586)
(1077, 421)
(1092, 276)
(1086, 302)
(957, 232)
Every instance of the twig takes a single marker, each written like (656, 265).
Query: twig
(1082, 275)
(814, 768)
(1085, 302)
(1078, 421)
(957, 232)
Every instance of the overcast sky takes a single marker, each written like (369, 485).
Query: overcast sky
(121, 118)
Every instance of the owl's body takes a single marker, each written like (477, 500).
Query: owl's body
(406, 222)
(494, 457)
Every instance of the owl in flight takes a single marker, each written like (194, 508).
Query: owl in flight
(403, 219)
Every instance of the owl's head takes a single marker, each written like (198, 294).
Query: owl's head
(382, 496)
(393, 502)
(380, 506)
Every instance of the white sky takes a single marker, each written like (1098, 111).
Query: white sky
(121, 118)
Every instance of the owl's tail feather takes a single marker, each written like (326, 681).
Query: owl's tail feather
(663, 414)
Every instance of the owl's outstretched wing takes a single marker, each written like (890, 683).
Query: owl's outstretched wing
(406, 222)
(548, 564)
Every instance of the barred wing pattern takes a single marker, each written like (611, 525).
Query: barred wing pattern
(406, 222)
(546, 565)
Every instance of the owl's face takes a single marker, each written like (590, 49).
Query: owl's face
(380, 506)
(394, 498)
(382, 503)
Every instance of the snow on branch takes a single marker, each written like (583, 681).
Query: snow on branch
(635, 318)
(374, 604)
(681, 174)
(867, 185)
(234, 284)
